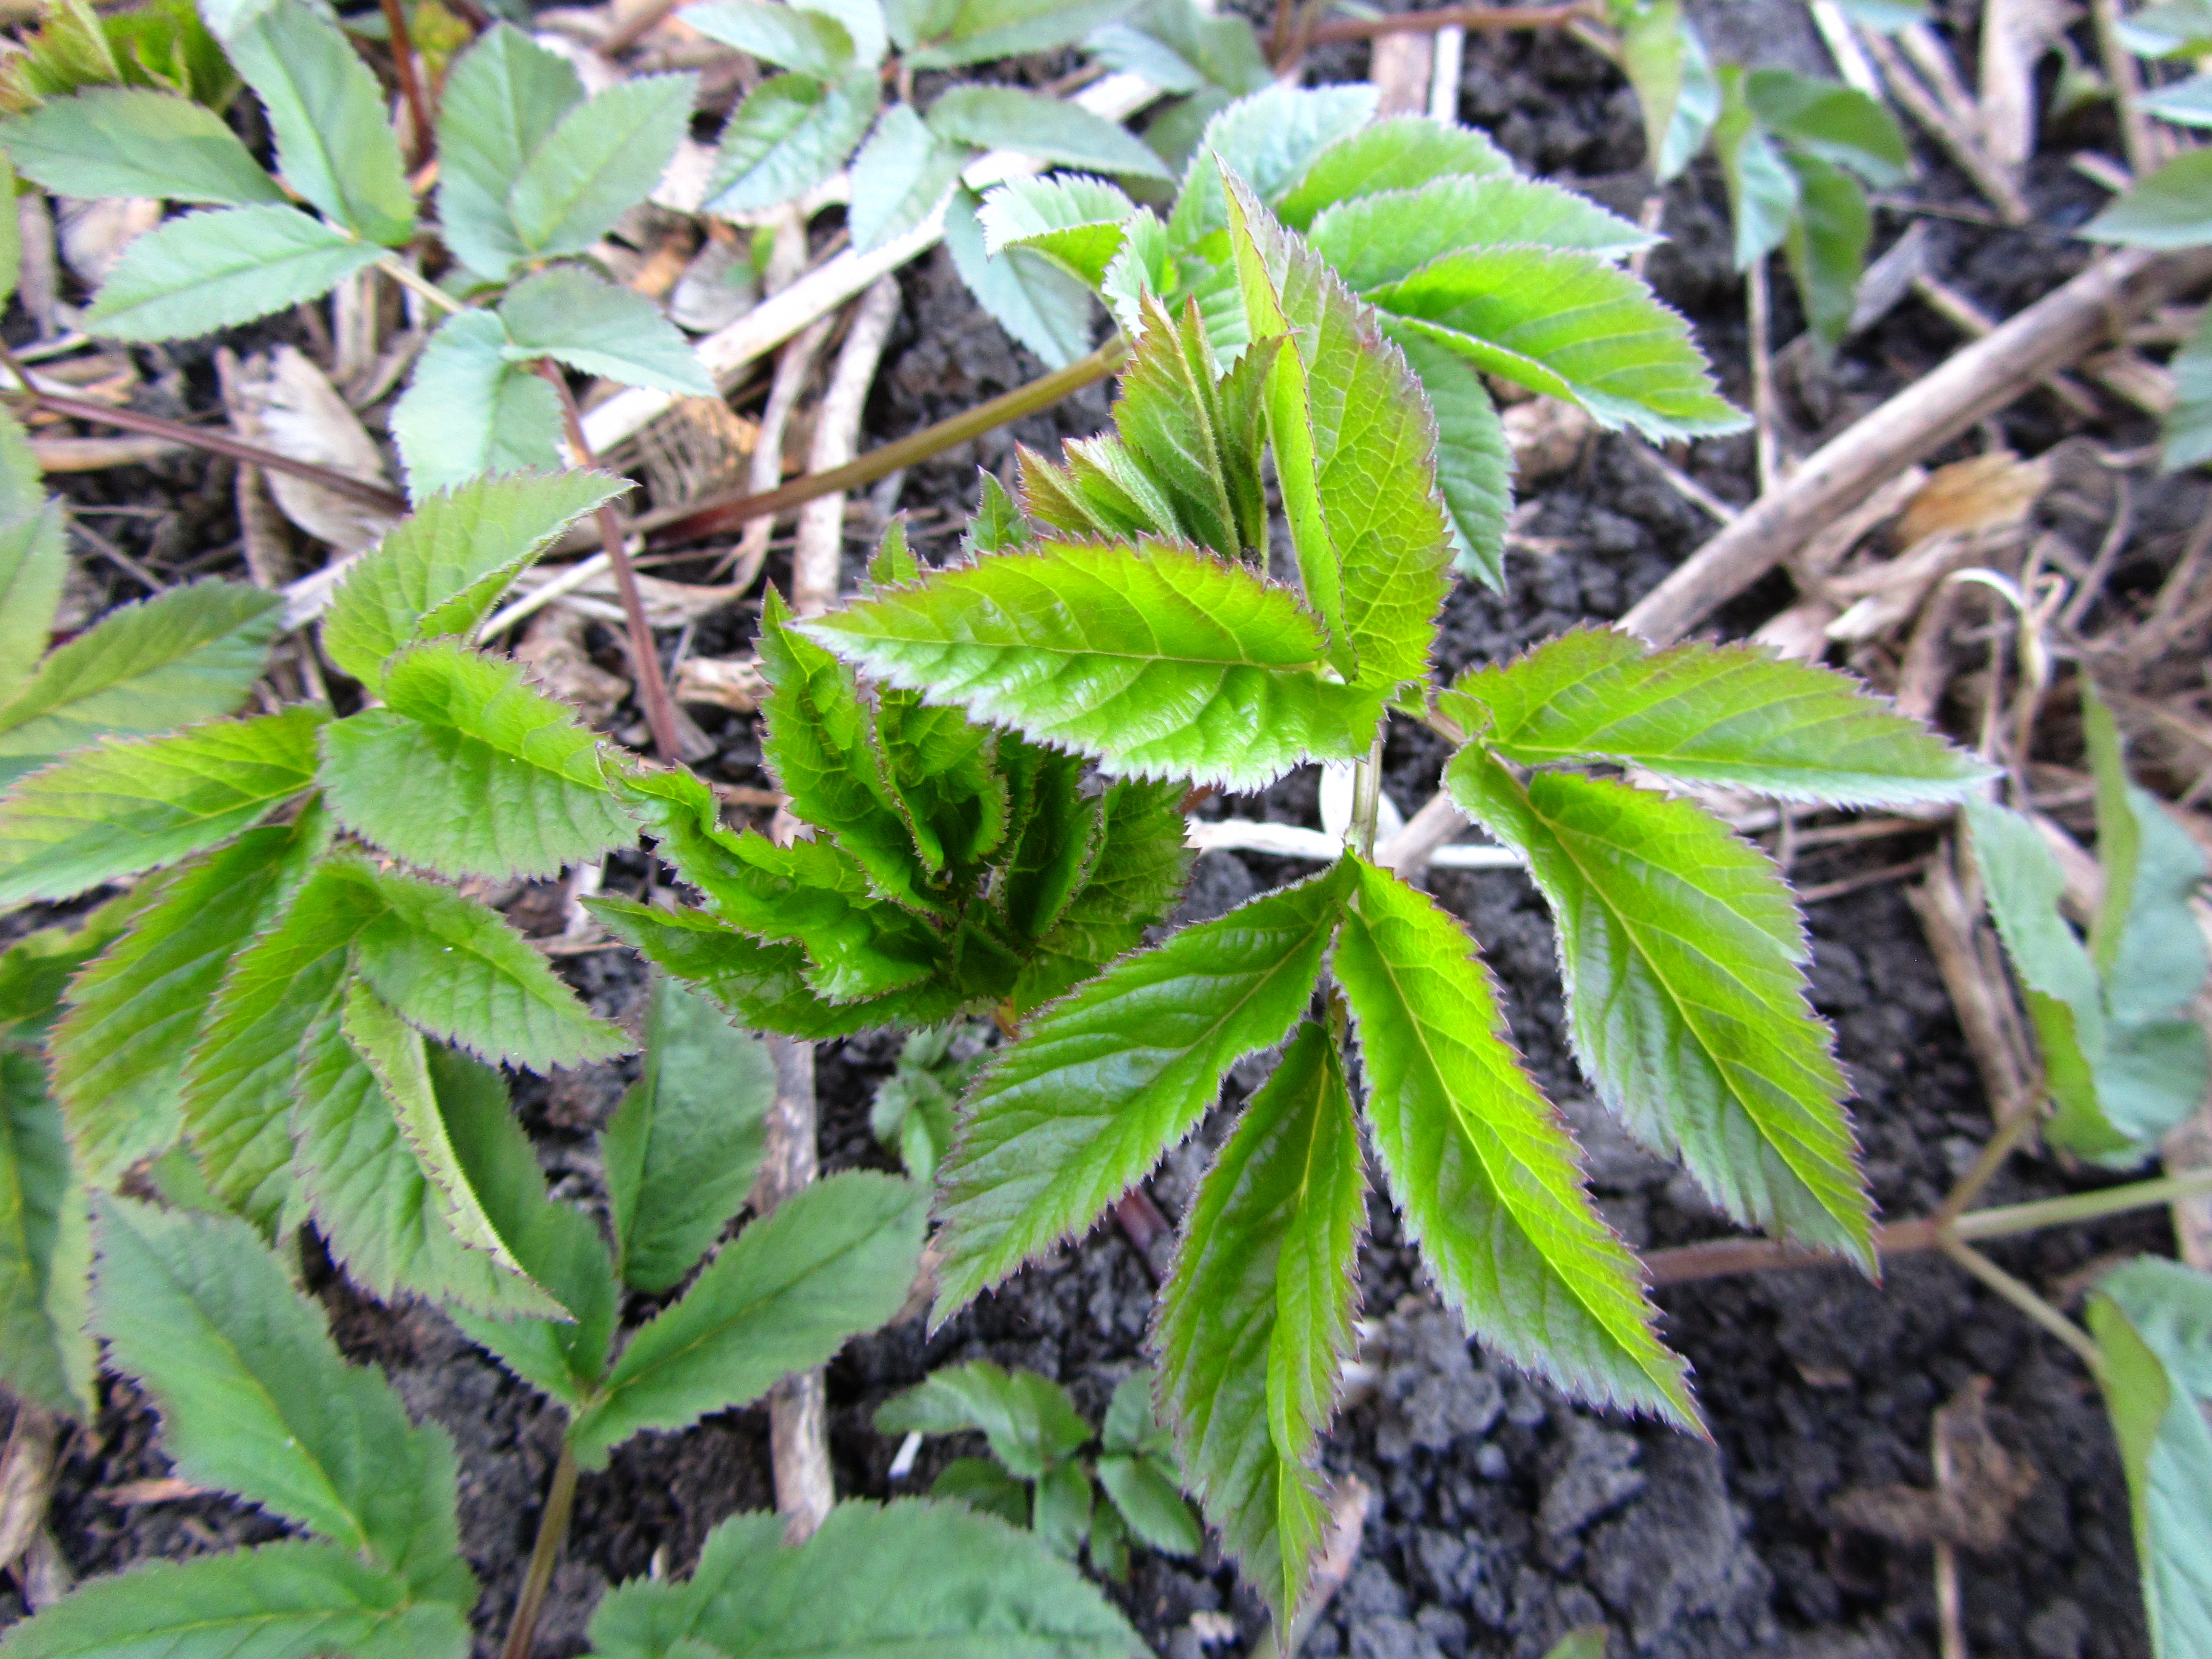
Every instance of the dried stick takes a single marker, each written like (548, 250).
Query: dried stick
(798, 1430)
(645, 655)
(1486, 19)
(1766, 439)
(779, 317)
(1965, 146)
(1975, 381)
(794, 366)
(27, 1478)
(2137, 136)
(818, 556)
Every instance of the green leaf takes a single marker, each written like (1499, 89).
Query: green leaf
(1133, 881)
(1588, 1641)
(1397, 155)
(1761, 186)
(2153, 1319)
(792, 132)
(1665, 60)
(1180, 48)
(2172, 207)
(135, 1013)
(1683, 957)
(1144, 265)
(1268, 141)
(1474, 463)
(1060, 1510)
(2148, 949)
(1570, 325)
(1076, 222)
(562, 1248)
(788, 36)
(287, 1601)
(1157, 661)
(334, 145)
(681, 1150)
(1102, 1083)
(119, 806)
(469, 769)
(1130, 1428)
(1255, 1321)
(1833, 122)
(1382, 238)
(1030, 296)
(254, 1398)
(36, 967)
(958, 32)
(214, 270)
(471, 410)
(1150, 1503)
(603, 158)
(940, 767)
(440, 571)
(376, 1198)
(238, 1079)
(188, 655)
(1029, 1419)
(1355, 451)
(899, 177)
(836, 1258)
(1827, 245)
(46, 1355)
(589, 323)
(2174, 28)
(1701, 713)
(112, 141)
(2186, 103)
(985, 1488)
(502, 98)
(33, 559)
(2188, 430)
(902, 1578)
(454, 967)
(1051, 130)
(1483, 1172)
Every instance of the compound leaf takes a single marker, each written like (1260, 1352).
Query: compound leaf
(1030, 296)
(502, 98)
(605, 157)
(334, 145)
(1474, 463)
(454, 967)
(46, 1355)
(1268, 141)
(1838, 125)
(119, 806)
(216, 269)
(1255, 1321)
(440, 571)
(1700, 714)
(908, 1577)
(471, 410)
(188, 655)
(129, 141)
(1029, 1419)
(1077, 222)
(286, 1601)
(592, 325)
(836, 1258)
(1482, 1170)
(1158, 661)
(1052, 130)
(1570, 323)
(469, 769)
(792, 132)
(1683, 956)
(681, 1150)
(255, 1400)
(1102, 1083)
(1378, 239)
(789, 36)
(977, 31)
(1395, 155)
(118, 1051)
(901, 177)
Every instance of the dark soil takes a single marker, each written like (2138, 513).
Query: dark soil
(1502, 1517)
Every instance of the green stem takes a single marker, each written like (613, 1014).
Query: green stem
(1367, 797)
(2023, 1297)
(2081, 1206)
(552, 1534)
(716, 515)
(416, 283)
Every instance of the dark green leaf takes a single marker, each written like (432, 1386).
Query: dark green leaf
(1150, 1503)
(1255, 1322)
(1029, 1419)
(1827, 245)
(47, 1355)
(985, 1488)
(1839, 125)
(1483, 1172)
(605, 157)
(1102, 1083)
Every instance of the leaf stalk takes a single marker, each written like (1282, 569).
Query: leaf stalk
(552, 1534)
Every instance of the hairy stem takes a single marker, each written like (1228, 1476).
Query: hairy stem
(717, 514)
(552, 1534)
(645, 655)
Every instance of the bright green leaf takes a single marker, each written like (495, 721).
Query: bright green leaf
(501, 101)
(114, 141)
(1102, 1083)
(960, 32)
(1157, 661)
(1381, 239)
(1474, 463)
(1836, 123)
(1030, 296)
(471, 410)
(1051, 130)
(1132, 880)
(2172, 207)
(469, 769)
(214, 270)
(1075, 221)
(1029, 1419)
(46, 1355)
(1255, 1321)
(681, 1150)
(901, 177)
(792, 132)
(1684, 960)
(1397, 155)
(836, 1258)
(589, 323)
(188, 655)
(1720, 714)
(605, 157)
(789, 36)
(1483, 1174)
